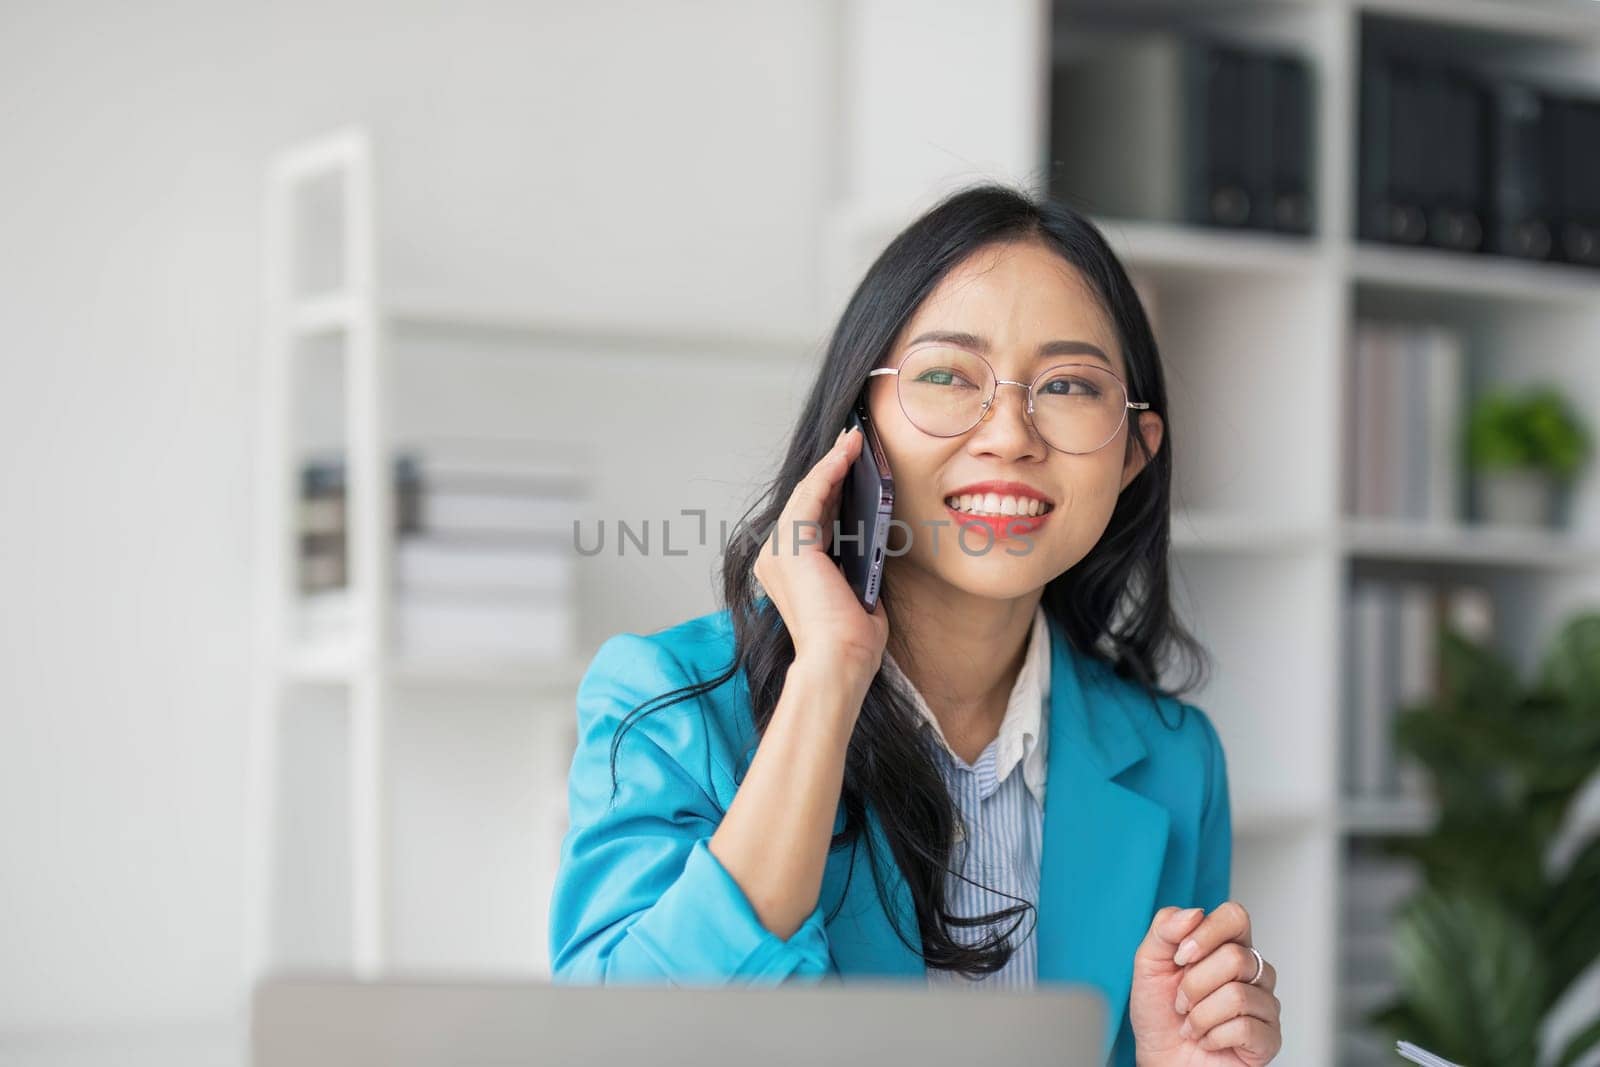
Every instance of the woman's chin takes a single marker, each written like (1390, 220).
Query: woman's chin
(995, 574)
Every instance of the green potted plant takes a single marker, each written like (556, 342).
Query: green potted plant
(1522, 448)
(1497, 933)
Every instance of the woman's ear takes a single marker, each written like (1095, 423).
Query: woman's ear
(1150, 428)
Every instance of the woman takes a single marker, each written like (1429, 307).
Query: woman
(795, 788)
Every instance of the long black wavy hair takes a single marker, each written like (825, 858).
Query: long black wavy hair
(1115, 604)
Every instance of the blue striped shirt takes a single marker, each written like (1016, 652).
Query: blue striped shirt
(1000, 797)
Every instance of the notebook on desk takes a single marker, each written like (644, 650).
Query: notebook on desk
(322, 1023)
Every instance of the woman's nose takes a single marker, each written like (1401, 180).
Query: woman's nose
(999, 390)
(1017, 423)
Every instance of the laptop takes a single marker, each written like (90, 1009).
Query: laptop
(301, 1022)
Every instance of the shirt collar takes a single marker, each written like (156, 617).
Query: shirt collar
(1024, 735)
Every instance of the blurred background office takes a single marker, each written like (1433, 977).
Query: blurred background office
(323, 323)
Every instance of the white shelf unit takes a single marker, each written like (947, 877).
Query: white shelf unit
(307, 293)
(332, 353)
(1255, 331)
(358, 366)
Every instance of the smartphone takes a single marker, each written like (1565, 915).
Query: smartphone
(866, 503)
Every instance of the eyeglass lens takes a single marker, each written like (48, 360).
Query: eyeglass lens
(1076, 407)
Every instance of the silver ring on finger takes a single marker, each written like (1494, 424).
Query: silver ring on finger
(1261, 965)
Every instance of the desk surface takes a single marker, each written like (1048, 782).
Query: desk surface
(317, 1022)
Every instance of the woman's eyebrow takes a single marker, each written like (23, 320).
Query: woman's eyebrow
(981, 345)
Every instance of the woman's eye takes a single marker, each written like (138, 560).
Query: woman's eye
(940, 376)
(1068, 387)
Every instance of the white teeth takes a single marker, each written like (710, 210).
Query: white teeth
(995, 504)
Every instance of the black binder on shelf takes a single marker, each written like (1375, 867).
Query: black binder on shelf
(1391, 189)
(1521, 175)
(1223, 174)
(1174, 128)
(1577, 122)
(1452, 117)
(1423, 159)
(1289, 153)
(1470, 159)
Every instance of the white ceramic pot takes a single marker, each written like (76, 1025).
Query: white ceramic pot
(1515, 496)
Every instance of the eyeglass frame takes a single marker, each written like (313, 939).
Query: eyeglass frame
(988, 402)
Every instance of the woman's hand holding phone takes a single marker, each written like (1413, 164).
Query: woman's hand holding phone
(825, 621)
(774, 839)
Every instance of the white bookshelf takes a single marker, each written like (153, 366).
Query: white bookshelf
(1254, 331)
(1264, 551)
(332, 359)
(408, 769)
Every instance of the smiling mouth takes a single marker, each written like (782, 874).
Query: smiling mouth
(998, 505)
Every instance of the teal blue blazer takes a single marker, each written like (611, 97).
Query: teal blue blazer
(1136, 817)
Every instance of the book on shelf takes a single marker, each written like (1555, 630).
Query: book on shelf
(454, 501)
(1403, 422)
(491, 572)
(433, 627)
(1392, 649)
(428, 562)
(1372, 889)
(484, 567)
(1373, 886)
(487, 513)
(490, 490)
(322, 523)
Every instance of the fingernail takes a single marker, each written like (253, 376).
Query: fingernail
(1183, 921)
(1185, 1030)
(1181, 1005)
(842, 432)
(1185, 952)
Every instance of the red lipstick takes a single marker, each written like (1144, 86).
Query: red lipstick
(1002, 527)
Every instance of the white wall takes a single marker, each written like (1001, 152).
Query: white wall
(132, 145)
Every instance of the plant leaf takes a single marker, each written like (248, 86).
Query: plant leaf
(1581, 1042)
(1572, 666)
(1474, 678)
(1569, 922)
(1472, 971)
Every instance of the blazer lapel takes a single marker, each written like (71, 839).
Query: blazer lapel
(1103, 850)
(1103, 843)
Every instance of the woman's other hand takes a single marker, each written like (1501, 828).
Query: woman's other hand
(1192, 1003)
(825, 620)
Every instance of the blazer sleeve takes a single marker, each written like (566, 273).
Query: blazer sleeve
(638, 896)
(1215, 859)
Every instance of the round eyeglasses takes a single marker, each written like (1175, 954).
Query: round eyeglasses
(946, 391)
